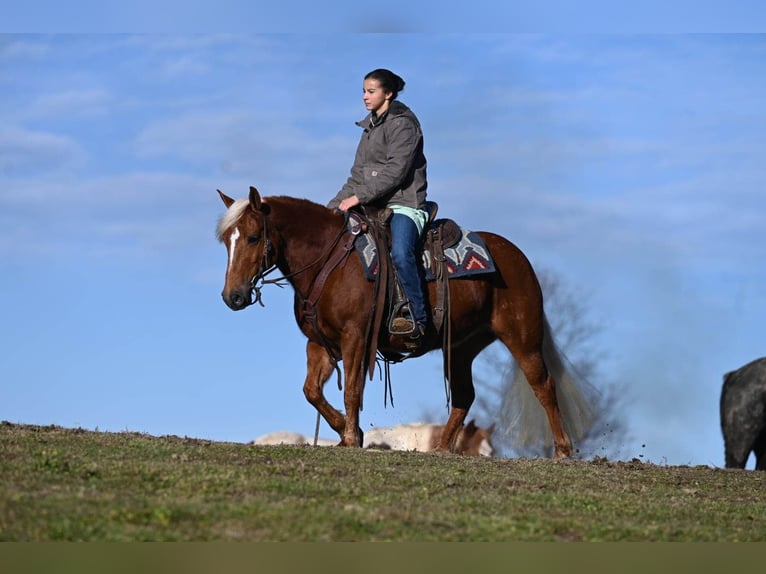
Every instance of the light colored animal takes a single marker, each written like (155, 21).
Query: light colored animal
(291, 438)
(422, 437)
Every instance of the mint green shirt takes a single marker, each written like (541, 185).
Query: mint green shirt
(419, 216)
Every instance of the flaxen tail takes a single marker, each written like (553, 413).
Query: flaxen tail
(526, 423)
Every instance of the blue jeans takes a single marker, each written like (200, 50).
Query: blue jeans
(404, 240)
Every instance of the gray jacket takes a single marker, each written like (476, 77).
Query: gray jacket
(389, 167)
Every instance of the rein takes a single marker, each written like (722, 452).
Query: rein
(332, 259)
(316, 286)
(268, 268)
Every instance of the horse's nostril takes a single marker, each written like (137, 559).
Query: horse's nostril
(238, 300)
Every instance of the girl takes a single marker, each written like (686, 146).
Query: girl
(390, 171)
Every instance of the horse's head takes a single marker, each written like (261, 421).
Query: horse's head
(476, 441)
(243, 229)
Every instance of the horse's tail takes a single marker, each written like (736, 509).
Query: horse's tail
(527, 425)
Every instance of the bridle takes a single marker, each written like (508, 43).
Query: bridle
(267, 267)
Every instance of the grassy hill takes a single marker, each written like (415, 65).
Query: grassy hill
(71, 484)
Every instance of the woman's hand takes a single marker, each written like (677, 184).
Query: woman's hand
(348, 203)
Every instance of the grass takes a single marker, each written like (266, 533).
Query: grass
(76, 485)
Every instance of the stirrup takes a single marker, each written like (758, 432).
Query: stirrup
(399, 324)
(402, 326)
(415, 340)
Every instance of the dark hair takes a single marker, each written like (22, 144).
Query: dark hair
(389, 81)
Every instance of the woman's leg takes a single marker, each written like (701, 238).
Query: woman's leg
(404, 240)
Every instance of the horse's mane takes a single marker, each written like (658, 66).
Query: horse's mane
(230, 216)
(237, 208)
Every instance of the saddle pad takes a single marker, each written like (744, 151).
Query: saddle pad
(469, 256)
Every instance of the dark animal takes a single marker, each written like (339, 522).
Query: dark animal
(743, 415)
(334, 301)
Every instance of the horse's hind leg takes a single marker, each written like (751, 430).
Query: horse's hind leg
(518, 320)
(319, 368)
(544, 387)
(526, 346)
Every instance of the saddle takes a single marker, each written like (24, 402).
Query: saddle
(439, 234)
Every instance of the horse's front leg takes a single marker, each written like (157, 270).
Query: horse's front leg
(319, 368)
(463, 394)
(447, 441)
(352, 348)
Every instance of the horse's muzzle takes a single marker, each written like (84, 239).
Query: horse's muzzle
(237, 300)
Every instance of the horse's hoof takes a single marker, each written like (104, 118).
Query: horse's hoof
(358, 443)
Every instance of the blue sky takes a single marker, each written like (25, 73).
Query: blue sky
(631, 165)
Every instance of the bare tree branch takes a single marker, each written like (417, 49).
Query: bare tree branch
(495, 372)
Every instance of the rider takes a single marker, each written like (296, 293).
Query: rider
(390, 171)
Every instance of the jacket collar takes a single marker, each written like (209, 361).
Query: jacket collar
(396, 108)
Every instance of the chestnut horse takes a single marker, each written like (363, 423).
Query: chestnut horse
(298, 237)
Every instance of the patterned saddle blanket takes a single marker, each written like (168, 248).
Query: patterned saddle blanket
(469, 256)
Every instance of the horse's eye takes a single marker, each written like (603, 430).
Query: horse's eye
(253, 239)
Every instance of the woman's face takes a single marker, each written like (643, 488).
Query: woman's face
(376, 99)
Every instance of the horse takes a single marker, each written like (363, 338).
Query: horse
(743, 415)
(303, 239)
(472, 440)
(290, 438)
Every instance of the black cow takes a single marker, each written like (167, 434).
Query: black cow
(743, 414)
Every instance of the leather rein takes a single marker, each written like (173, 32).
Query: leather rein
(267, 268)
(332, 258)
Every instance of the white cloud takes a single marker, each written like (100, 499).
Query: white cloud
(70, 104)
(20, 50)
(185, 66)
(25, 151)
(142, 215)
(236, 142)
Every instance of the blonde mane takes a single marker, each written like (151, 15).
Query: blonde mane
(232, 214)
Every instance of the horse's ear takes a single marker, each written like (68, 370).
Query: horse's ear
(226, 199)
(491, 429)
(255, 198)
(471, 425)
